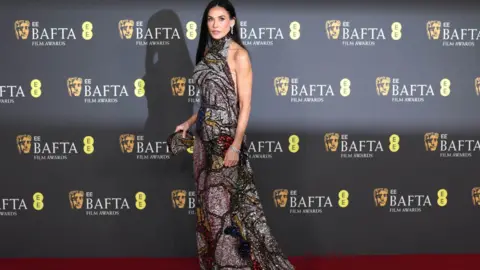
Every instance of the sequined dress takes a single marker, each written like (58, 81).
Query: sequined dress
(232, 231)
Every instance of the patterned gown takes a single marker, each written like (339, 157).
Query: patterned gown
(232, 232)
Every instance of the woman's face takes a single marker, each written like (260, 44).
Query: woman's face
(219, 22)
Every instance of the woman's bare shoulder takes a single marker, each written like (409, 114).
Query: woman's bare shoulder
(239, 52)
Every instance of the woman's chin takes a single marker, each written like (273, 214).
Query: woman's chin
(217, 35)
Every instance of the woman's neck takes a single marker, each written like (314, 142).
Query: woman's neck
(218, 44)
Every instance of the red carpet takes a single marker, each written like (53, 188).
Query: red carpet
(393, 262)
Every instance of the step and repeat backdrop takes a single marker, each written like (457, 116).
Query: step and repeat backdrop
(364, 132)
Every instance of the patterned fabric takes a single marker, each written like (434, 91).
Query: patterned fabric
(232, 232)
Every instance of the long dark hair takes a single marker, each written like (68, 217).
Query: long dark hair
(204, 34)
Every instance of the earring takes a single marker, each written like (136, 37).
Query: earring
(231, 29)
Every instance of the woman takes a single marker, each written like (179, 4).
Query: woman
(232, 232)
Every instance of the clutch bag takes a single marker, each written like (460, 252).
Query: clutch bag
(177, 144)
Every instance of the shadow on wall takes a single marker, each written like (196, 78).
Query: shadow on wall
(165, 64)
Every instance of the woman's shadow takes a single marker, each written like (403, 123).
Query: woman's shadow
(162, 63)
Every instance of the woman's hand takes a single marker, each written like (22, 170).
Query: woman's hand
(183, 127)
(231, 158)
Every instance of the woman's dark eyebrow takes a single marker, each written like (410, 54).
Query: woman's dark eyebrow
(218, 16)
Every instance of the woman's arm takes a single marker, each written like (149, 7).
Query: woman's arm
(196, 107)
(192, 119)
(243, 70)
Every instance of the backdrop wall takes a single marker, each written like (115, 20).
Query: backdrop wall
(363, 134)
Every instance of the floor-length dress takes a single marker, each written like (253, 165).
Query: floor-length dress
(232, 231)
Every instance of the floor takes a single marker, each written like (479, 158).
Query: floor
(394, 262)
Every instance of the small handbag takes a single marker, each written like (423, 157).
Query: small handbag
(177, 144)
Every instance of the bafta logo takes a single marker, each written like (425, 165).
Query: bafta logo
(178, 86)
(281, 85)
(125, 27)
(380, 195)
(74, 85)
(127, 143)
(179, 198)
(76, 199)
(477, 86)
(382, 85)
(476, 196)
(331, 141)
(332, 28)
(433, 29)
(280, 197)
(431, 141)
(22, 29)
(24, 143)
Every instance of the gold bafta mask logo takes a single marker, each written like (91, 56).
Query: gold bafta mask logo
(24, 143)
(380, 195)
(125, 27)
(74, 85)
(22, 29)
(431, 141)
(280, 197)
(433, 29)
(178, 85)
(332, 28)
(331, 141)
(76, 199)
(477, 86)
(476, 196)
(281, 85)
(382, 85)
(179, 198)
(127, 143)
